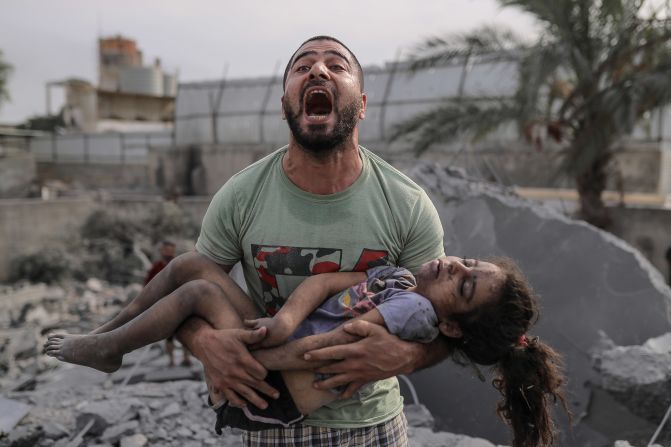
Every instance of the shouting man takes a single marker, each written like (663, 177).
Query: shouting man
(320, 204)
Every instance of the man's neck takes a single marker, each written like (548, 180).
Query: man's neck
(323, 175)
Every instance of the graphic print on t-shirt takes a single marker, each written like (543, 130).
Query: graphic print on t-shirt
(281, 268)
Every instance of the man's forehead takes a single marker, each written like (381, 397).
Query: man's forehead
(322, 46)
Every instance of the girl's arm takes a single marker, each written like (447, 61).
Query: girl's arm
(290, 355)
(304, 299)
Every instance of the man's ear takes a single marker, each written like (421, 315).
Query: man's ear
(362, 112)
(450, 328)
(284, 116)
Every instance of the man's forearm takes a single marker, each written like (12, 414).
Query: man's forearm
(290, 355)
(429, 354)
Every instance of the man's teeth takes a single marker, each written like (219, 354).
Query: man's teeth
(318, 117)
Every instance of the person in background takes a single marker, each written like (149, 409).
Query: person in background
(167, 252)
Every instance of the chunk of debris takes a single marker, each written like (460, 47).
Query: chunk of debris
(137, 440)
(114, 433)
(11, 412)
(639, 377)
(418, 415)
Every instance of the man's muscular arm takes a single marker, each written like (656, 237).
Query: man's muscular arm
(378, 355)
(389, 354)
(227, 363)
(292, 355)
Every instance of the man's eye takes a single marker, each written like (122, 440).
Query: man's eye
(302, 68)
(337, 67)
(466, 262)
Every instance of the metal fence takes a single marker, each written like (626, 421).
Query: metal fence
(108, 148)
(248, 111)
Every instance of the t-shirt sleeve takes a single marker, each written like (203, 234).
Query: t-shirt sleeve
(389, 277)
(219, 234)
(424, 241)
(410, 316)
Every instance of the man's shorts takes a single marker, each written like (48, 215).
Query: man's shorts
(393, 433)
(281, 412)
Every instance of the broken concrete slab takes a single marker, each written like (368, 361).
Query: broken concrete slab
(661, 344)
(24, 437)
(638, 376)
(418, 415)
(114, 433)
(588, 280)
(171, 374)
(137, 440)
(105, 414)
(171, 410)
(425, 437)
(11, 412)
(626, 444)
(70, 375)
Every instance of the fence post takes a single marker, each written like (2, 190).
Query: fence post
(54, 152)
(387, 92)
(122, 140)
(266, 100)
(86, 148)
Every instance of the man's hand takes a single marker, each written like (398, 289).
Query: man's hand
(230, 368)
(377, 356)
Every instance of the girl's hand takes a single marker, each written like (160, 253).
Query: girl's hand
(278, 330)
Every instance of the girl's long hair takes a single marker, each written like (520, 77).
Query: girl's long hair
(528, 372)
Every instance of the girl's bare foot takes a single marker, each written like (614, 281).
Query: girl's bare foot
(83, 350)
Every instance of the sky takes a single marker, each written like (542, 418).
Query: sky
(48, 40)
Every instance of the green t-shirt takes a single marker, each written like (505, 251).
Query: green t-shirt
(282, 235)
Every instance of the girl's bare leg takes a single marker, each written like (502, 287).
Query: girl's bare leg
(181, 270)
(297, 372)
(201, 298)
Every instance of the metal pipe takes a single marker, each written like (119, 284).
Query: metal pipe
(411, 387)
(661, 425)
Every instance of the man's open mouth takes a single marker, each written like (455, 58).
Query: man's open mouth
(318, 104)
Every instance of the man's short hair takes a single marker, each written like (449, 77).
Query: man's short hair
(168, 243)
(333, 39)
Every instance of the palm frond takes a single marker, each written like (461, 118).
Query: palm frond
(5, 71)
(537, 67)
(453, 120)
(557, 15)
(484, 40)
(626, 100)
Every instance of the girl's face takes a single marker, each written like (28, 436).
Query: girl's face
(455, 285)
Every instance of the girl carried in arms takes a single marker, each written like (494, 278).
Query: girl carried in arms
(482, 310)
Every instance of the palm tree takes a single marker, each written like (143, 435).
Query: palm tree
(596, 69)
(5, 70)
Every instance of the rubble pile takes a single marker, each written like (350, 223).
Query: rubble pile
(166, 414)
(638, 376)
(29, 311)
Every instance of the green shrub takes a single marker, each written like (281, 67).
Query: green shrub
(49, 265)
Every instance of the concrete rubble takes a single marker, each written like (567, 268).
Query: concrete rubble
(639, 377)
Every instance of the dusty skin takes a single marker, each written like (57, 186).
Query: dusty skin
(84, 350)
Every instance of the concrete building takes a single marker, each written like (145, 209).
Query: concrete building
(130, 97)
(114, 55)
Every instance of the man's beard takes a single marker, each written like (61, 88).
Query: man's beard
(316, 141)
